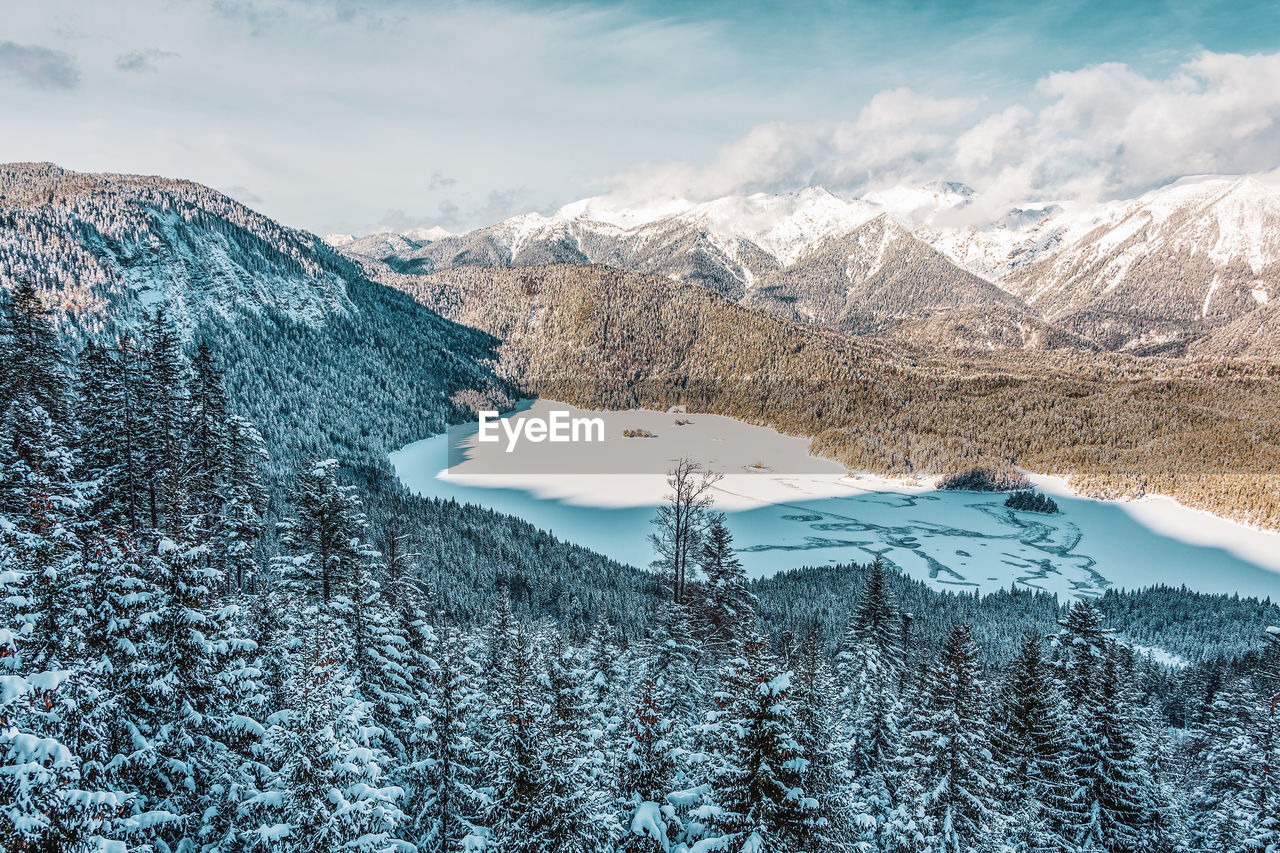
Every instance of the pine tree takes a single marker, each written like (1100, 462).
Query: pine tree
(208, 442)
(758, 791)
(517, 753)
(1081, 648)
(947, 751)
(575, 805)
(817, 716)
(47, 801)
(34, 362)
(604, 700)
(730, 605)
(672, 662)
(163, 419)
(445, 802)
(646, 776)
(869, 666)
(329, 791)
(238, 529)
(327, 557)
(1109, 802)
(1030, 743)
(111, 439)
(1231, 797)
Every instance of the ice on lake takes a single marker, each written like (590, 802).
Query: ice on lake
(796, 510)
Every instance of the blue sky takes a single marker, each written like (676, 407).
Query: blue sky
(336, 115)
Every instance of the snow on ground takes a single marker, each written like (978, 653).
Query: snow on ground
(788, 509)
(1166, 516)
(760, 465)
(1161, 656)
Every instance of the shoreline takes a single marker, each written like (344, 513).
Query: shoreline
(734, 447)
(1161, 514)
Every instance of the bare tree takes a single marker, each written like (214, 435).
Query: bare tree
(681, 521)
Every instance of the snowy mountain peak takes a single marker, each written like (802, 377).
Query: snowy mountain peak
(785, 225)
(427, 235)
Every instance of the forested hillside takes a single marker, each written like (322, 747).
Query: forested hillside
(323, 361)
(1207, 434)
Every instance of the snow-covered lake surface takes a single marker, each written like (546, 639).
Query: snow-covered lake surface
(788, 509)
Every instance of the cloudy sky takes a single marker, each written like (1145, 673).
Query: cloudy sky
(342, 116)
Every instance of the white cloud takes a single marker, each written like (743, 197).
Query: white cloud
(145, 61)
(893, 134)
(1103, 131)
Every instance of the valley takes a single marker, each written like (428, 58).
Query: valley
(1205, 433)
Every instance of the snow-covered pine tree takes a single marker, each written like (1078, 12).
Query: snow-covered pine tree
(235, 542)
(65, 741)
(604, 698)
(869, 673)
(1080, 649)
(1110, 804)
(47, 802)
(499, 642)
(329, 792)
(444, 801)
(948, 755)
(34, 362)
(758, 799)
(817, 714)
(207, 445)
(111, 442)
(730, 606)
(1030, 743)
(517, 770)
(164, 416)
(646, 776)
(576, 804)
(325, 557)
(1230, 799)
(672, 661)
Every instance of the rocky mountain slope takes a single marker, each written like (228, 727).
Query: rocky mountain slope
(1149, 275)
(876, 278)
(109, 249)
(1163, 270)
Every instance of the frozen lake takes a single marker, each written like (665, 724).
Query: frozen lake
(788, 509)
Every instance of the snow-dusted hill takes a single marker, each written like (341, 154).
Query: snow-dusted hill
(316, 354)
(109, 249)
(1148, 274)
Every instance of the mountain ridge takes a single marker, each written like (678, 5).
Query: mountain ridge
(1124, 275)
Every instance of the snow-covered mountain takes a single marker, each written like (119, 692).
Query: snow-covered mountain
(1147, 274)
(1163, 268)
(306, 337)
(110, 249)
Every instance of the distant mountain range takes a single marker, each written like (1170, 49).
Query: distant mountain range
(1192, 267)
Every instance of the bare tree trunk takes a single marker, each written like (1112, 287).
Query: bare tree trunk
(680, 522)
